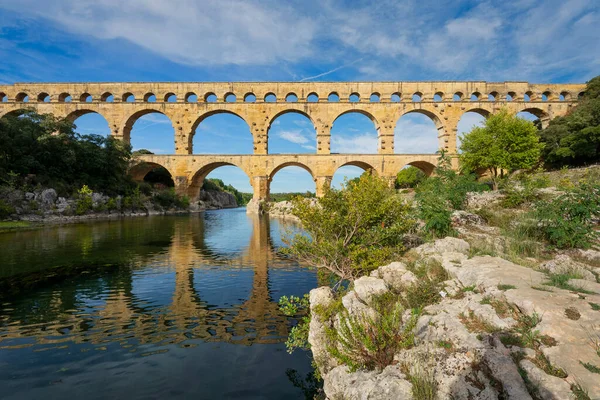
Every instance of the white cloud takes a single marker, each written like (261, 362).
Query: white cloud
(360, 144)
(415, 134)
(294, 136)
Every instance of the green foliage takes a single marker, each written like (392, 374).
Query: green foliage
(525, 190)
(367, 342)
(591, 367)
(579, 392)
(575, 138)
(84, 200)
(167, 199)
(409, 177)
(159, 176)
(31, 153)
(276, 197)
(562, 281)
(442, 193)
(424, 385)
(506, 287)
(6, 210)
(217, 185)
(568, 220)
(505, 142)
(290, 306)
(351, 231)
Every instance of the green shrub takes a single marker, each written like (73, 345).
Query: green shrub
(409, 177)
(518, 194)
(365, 342)
(168, 198)
(568, 220)
(111, 204)
(6, 210)
(351, 231)
(84, 200)
(292, 307)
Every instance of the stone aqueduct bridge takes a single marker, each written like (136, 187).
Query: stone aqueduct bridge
(258, 104)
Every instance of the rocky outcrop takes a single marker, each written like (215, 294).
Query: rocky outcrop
(499, 331)
(212, 200)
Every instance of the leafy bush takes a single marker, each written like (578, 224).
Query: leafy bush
(6, 210)
(297, 306)
(168, 198)
(568, 220)
(351, 231)
(84, 200)
(217, 185)
(525, 190)
(439, 195)
(409, 177)
(370, 342)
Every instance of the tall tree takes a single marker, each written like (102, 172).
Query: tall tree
(505, 143)
(575, 138)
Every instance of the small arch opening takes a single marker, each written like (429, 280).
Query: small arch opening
(129, 98)
(44, 97)
(395, 97)
(3, 97)
(581, 95)
(107, 97)
(457, 96)
(312, 98)
(439, 96)
(230, 98)
(170, 98)
(291, 98)
(354, 98)
(150, 98)
(270, 98)
(22, 97)
(475, 96)
(191, 97)
(417, 97)
(375, 98)
(86, 98)
(492, 96)
(546, 96)
(210, 98)
(333, 97)
(527, 96)
(564, 96)
(510, 96)
(250, 98)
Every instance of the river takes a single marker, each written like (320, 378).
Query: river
(144, 308)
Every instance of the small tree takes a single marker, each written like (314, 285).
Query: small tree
(505, 143)
(351, 231)
(409, 177)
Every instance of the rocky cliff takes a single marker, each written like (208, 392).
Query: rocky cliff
(498, 330)
(212, 200)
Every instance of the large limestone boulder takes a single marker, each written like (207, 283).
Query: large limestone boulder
(340, 383)
(563, 264)
(395, 275)
(317, 334)
(367, 287)
(550, 387)
(446, 245)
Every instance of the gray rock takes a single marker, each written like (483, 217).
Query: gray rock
(440, 246)
(396, 276)
(48, 197)
(317, 334)
(563, 264)
(550, 387)
(357, 308)
(504, 370)
(29, 196)
(361, 385)
(366, 287)
(463, 218)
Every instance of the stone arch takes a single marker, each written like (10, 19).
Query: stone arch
(540, 114)
(106, 97)
(565, 96)
(510, 96)
(3, 97)
(358, 111)
(64, 97)
(458, 96)
(287, 164)
(438, 96)
(375, 97)
(22, 97)
(86, 98)
(128, 97)
(209, 114)
(424, 166)
(43, 97)
(354, 134)
(210, 97)
(291, 97)
(17, 112)
(190, 96)
(230, 97)
(149, 98)
(493, 96)
(170, 97)
(312, 97)
(131, 120)
(481, 111)
(73, 116)
(475, 96)
(547, 96)
(140, 169)
(197, 180)
(354, 97)
(417, 97)
(337, 173)
(360, 164)
(249, 97)
(295, 133)
(270, 97)
(437, 122)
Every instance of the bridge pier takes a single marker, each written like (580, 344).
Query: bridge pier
(322, 183)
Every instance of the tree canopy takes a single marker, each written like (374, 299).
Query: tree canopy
(575, 138)
(505, 143)
(43, 149)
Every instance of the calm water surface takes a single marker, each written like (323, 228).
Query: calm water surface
(158, 307)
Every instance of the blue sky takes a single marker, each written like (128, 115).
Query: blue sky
(328, 40)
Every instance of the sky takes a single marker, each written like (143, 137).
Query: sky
(309, 40)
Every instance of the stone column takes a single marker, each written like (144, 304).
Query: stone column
(323, 139)
(260, 184)
(322, 183)
(448, 133)
(182, 126)
(386, 139)
(182, 185)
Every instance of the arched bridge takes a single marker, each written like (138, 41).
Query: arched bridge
(187, 104)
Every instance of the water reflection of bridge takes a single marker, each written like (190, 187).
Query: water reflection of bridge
(126, 318)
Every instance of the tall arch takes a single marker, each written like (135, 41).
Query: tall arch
(291, 177)
(418, 132)
(535, 114)
(89, 122)
(221, 132)
(151, 130)
(424, 166)
(292, 131)
(197, 180)
(354, 132)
